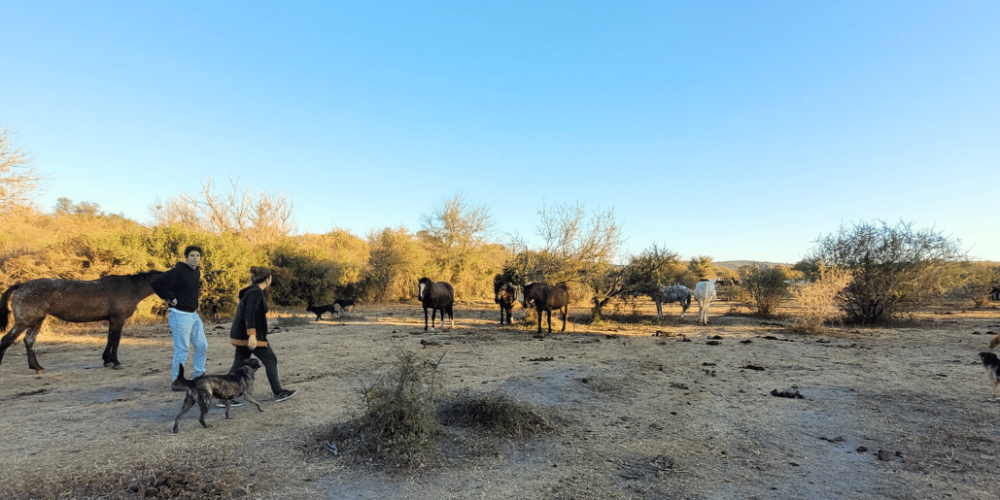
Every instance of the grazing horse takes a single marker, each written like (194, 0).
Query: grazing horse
(666, 295)
(438, 296)
(546, 297)
(504, 294)
(111, 298)
(704, 293)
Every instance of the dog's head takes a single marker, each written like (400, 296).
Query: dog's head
(252, 363)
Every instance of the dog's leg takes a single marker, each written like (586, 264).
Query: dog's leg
(249, 397)
(188, 404)
(203, 402)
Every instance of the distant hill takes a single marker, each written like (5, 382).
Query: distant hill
(735, 265)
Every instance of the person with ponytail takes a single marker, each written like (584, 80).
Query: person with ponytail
(249, 331)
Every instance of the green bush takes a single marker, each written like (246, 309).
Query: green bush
(766, 288)
(893, 268)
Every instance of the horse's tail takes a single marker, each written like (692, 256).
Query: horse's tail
(4, 308)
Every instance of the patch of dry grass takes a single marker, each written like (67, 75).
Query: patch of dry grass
(210, 474)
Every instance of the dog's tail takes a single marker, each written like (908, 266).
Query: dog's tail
(180, 377)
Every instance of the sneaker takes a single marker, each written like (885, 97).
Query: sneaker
(232, 404)
(283, 395)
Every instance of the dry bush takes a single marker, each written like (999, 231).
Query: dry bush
(495, 412)
(398, 428)
(817, 300)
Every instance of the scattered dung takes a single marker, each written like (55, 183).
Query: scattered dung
(788, 393)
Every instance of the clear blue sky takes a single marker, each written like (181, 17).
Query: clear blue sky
(738, 130)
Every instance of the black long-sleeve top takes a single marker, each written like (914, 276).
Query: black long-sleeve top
(183, 283)
(250, 313)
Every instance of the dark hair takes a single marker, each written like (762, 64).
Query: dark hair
(192, 248)
(259, 274)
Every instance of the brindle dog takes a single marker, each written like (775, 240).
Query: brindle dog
(225, 387)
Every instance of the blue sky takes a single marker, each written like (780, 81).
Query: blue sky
(737, 130)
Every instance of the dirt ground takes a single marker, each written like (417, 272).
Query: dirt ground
(649, 410)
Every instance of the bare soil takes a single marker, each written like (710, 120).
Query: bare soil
(647, 409)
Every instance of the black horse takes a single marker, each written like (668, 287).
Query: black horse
(546, 297)
(438, 296)
(504, 294)
(111, 298)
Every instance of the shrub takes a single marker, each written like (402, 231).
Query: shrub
(975, 281)
(494, 411)
(398, 427)
(817, 300)
(766, 288)
(893, 268)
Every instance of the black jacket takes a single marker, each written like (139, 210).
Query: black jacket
(250, 313)
(182, 283)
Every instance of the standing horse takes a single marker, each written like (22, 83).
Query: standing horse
(666, 295)
(504, 294)
(546, 297)
(111, 298)
(438, 296)
(704, 293)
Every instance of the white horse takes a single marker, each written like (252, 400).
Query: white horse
(704, 293)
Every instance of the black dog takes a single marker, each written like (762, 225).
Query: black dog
(992, 365)
(320, 310)
(344, 303)
(225, 387)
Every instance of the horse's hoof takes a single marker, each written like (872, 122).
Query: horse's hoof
(118, 366)
(39, 371)
(108, 364)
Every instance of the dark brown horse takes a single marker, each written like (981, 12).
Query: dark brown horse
(546, 297)
(111, 298)
(504, 294)
(438, 296)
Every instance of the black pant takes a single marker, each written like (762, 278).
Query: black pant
(266, 357)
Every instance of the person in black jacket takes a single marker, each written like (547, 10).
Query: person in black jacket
(181, 287)
(249, 331)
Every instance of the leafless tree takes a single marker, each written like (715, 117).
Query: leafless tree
(575, 245)
(263, 217)
(18, 176)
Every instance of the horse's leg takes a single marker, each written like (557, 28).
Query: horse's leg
(425, 319)
(451, 316)
(110, 356)
(548, 316)
(29, 344)
(565, 316)
(539, 311)
(10, 338)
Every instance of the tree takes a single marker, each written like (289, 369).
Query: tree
(263, 218)
(701, 266)
(643, 274)
(894, 268)
(18, 177)
(456, 235)
(576, 247)
(396, 263)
